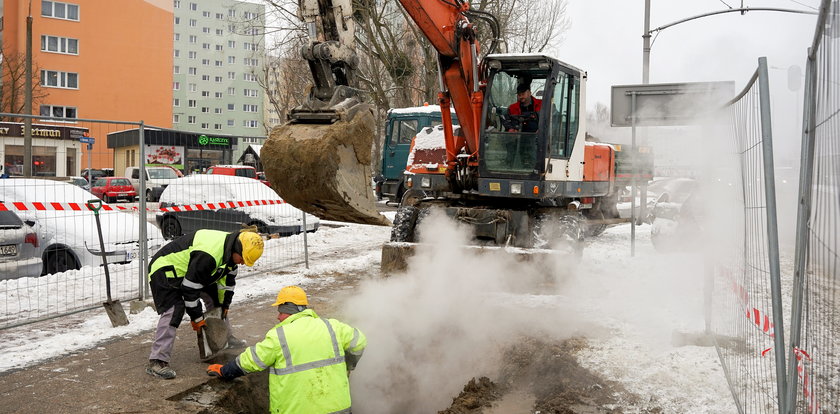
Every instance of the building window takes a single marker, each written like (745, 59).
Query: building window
(176, 4)
(218, 63)
(56, 79)
(217, 127)
(231, 13)
(205, 77)
(176, 118)
(249, 123)
(193, 39)
(177, 70)
(231, 44)
(193, 54)
(231, 60)
(205, 30)
(193, 6)
(177, 37)
(219, 48)
(249, 77)
(218, 79)
(205, 125)
(191, 103)
(232, 75)
(220, 32)
(249, 15)
(205, 109)
(177, 20)
(231, 91)
(230, 122)
(191, 119)
(218, 95)
(205, 14)
(59, 10)
(252, 61)
(205, 94)
(193, 22)
(57, 111)
(57, 44)
(252, 93)
(217, 110)
(249, 108)
(205, 62)
(192, 87)
(176, 102)
(177, 53)
(176, 86)
(231, 107)
(192, 71)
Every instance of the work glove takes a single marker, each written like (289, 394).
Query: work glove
(198, 325)
(215, 370)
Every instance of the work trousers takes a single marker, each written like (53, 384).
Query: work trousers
(165, 331)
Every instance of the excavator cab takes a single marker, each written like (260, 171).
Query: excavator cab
(518, 138)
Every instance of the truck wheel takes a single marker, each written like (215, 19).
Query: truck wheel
(404, 223)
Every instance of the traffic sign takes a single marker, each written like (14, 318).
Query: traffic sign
(86, 140)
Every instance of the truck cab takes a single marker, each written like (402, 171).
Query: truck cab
(401, 125)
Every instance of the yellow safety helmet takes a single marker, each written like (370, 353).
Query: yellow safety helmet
(293, 294)
(252, 247)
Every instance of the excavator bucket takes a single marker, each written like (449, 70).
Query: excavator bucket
(325, 168)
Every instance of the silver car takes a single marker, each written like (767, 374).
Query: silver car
(19, 247)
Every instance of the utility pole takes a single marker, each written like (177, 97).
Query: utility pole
(27, 104)
(646, 46)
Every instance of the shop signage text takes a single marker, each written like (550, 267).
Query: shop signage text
(9, 129)
(205, 140)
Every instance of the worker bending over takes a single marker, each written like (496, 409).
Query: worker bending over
(184, 269)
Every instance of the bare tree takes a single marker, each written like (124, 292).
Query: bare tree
(13, 86)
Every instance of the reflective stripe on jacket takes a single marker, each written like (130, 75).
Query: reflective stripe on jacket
(211, 242)
(305, 356)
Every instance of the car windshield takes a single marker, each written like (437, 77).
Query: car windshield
(99, 183)
(120, 181)
(161, 173)
(9, 220)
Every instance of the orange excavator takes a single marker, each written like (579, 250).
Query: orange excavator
(518, 169)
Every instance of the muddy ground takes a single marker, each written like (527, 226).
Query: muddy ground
(536, 376)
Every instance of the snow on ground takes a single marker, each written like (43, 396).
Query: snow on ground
(68, 334)
(627, 307)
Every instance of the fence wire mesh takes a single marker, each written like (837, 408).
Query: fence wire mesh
(815, 349)
(742, 318)
(49, 244)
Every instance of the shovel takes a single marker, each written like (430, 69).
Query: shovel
(212, 338)
(113, 307)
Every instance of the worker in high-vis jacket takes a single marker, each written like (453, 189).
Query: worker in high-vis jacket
(308, 357)
(182, 271)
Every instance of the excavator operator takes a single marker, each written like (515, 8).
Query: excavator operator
(524, 113)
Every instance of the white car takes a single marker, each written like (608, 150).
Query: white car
(157, 178)
(20, 252)
(282, 219)
(68, 236)
(669, 189)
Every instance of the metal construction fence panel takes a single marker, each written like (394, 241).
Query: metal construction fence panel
(50, 261)
(814, 353)
(746, 304)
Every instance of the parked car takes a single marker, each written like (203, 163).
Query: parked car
(673, 188)
(79, 182)
(95, 173)
(19, 247)
(111, 189)
(282, 219)
(261, 177)
(66, 236)
(677, 219)
(235, 170)
(157, 178)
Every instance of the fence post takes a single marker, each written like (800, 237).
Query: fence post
(305, 240)
(141, 211)
(772, 229)
(803, 217)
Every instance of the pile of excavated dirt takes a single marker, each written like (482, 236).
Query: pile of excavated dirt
(544, 377)
(324, 169)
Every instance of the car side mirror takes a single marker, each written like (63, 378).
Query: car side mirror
(29, 223)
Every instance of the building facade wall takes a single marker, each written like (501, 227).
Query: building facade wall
(121, 62)
(218, 57)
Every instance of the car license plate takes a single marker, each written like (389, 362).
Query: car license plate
(123, 194)
(8, 250)
(129, 256)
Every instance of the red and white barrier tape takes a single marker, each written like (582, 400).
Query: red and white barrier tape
(802, 358)
(754, 315)
(49, 206)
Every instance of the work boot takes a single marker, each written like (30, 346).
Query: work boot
(160, 369)
(234, 342)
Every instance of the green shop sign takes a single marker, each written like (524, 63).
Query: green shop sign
(205, 140)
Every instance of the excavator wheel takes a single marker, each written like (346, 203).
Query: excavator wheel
(325, 169)
(404, 224)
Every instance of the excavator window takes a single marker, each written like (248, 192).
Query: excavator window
(563, 119)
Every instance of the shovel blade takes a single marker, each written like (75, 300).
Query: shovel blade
(116, 313)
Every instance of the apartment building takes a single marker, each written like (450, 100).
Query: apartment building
(218, 60)
(94, 59)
